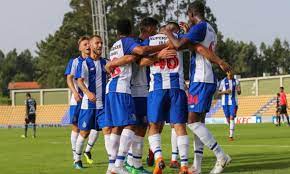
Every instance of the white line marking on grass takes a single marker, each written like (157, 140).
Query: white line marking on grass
(256, 145)
(55, 142)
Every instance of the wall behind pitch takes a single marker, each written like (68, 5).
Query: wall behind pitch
(248, 87)
(269, 86)
(21, 97)
(55, 97)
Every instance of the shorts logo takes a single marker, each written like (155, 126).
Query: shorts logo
(133, 116)
(192, 100)
(84, 125)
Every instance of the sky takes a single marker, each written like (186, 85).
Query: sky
(23, 23)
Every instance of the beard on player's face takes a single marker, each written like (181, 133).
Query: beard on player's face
(97, 50)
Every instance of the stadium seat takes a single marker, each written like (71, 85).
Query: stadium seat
(46, 114)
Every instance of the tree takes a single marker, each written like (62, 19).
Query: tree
(55, 50)
(15, 68)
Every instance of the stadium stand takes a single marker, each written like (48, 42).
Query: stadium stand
(46, 114)
(248, 106)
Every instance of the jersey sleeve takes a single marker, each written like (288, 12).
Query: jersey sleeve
(221, 85)
(145, 42)
(128, 45)
(237, 82)
(196, 33)
(74, 68)
(82, 70)
(68, 67)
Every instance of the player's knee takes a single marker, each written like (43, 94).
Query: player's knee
(154, 128)
(85, 133)
(75, 128)
(180, 129)
(194, 117)
(106, 130)
(141, 131)
(117, 130)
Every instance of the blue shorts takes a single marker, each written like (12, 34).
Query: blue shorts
(100, 121)
(200, 96)
(119, 110)
(87, 119)
(74, 111)
(230, 110)
(141, 110)
(167, 105)
(91, 119)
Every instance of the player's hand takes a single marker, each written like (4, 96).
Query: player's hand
(109, 67)
(166, 53)
(91, 96)
(77, 97)
(184, 26)
(228, 91)
(225, 66)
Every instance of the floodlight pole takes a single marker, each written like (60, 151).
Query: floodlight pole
(100, 23)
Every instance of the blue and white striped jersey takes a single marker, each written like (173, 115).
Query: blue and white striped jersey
(229, 84)
(166, 73)
(201, 68)
(120, 80)
(94, 74)
(71, 69)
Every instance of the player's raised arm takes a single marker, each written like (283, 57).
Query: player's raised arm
(212, 57)
(146, 50)
(178, 44)
(111, 65)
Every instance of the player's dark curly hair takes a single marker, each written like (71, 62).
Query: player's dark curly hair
(147, 22)
(197, 7)
(124, 27)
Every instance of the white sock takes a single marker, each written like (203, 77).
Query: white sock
(183, 146)
(206, 138)
(174, 154)
(107, 143)
(198, 153)
(126, 140)
(155, 145)
(92, 140)
(130, 159)
(137, 147)
(79, 148)
(73, 139)
(114, 146)
(232, 128)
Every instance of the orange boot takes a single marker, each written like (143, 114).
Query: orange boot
(185, 170)
(159, 166)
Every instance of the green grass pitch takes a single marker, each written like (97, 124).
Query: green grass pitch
(258, 148)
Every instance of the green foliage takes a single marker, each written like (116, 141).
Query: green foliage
(15, 68)
(54, 51)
